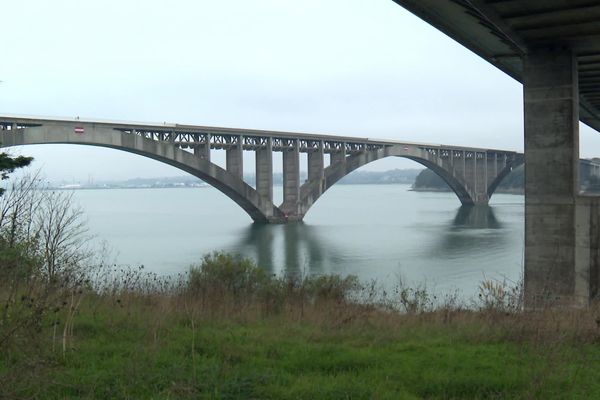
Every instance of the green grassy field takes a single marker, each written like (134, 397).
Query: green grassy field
(137, 352)
(233, 333)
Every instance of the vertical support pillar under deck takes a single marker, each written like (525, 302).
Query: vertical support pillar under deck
(338, 157)
(557, 255)
(234, 158)
(291, 181)
(458, 161)
(337, 163)
(491, 168)
(481, 178)
(203, 150)
(264, 170)
(470, 172)
(316, 177)
(316, 164)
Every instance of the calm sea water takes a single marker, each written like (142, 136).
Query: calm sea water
(380, 232)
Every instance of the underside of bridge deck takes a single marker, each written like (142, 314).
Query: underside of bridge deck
(553, 47)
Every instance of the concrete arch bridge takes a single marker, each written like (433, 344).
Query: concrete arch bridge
(472, 173)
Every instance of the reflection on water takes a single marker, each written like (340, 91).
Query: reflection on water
(294, 248)
(474, 230)
(476, 217)
(372, 231)
(299, 248)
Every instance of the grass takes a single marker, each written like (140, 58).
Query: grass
(263, 338)
(117, 353)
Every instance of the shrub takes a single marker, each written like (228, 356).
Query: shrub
(224, 274)
(501, 296)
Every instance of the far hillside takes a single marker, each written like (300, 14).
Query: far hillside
(428, 180)
(395, 176)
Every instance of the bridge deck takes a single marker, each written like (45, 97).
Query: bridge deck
(222, 137)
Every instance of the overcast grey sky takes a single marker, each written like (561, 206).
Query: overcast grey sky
(347, 67)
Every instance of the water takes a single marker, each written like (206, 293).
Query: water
(377, 232)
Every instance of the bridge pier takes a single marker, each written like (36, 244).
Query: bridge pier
(561, 227)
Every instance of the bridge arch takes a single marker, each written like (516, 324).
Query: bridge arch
(498, 180)
(457, 187)
(259, 208)
(311, 191)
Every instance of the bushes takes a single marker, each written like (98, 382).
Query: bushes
(500, 296)
(221, 273)
(223, 279)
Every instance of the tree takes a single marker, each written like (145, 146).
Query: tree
(9, 164)
(47, 222)
(62, 232)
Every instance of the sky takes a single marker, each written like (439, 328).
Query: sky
(361, 68)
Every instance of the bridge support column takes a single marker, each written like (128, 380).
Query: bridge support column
(291, 182)
(337, 162)
(481, 178)
(446, 159)
(459, 162)
(203, 150)
(491, 168)
(264, 170)
(338, 157)
(561, 229)
(316, 164)
(468, 168)
(315, 184)
(234, 158)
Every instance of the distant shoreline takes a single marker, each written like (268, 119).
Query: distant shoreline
(199, 186)
(412, 189)
(397, 176)
(440, 190)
